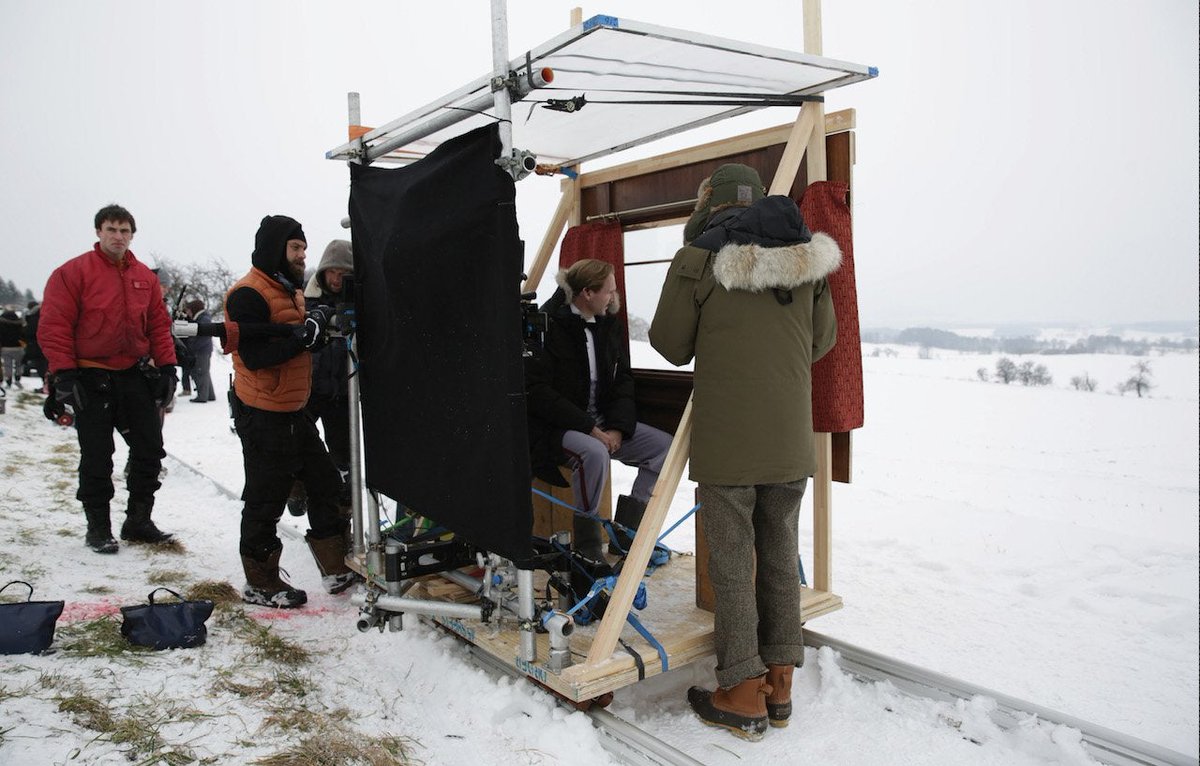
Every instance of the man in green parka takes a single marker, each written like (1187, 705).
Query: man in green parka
(747, 298)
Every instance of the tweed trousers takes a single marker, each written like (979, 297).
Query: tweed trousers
(757, 620)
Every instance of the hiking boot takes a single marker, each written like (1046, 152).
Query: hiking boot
(99, 531)
(138, 528)
(742, 708)
(264, 587)
(330, 555)
(779, 701)
(627, 518)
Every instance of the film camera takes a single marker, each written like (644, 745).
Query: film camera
(533, 323)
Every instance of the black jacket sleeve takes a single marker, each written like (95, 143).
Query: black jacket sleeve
(245, 306)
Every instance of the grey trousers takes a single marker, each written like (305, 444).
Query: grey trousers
(757, 620)
(200, 374)
(588, 458)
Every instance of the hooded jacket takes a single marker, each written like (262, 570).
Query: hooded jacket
(96, 313)
(749, 301)
(330, 371)
(12, 328)
(557, 379)
(270, 373)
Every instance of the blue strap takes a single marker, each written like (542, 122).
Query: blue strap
(650, 639)
(695, 508)
(657, 559)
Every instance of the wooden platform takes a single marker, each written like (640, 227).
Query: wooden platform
(671, 616)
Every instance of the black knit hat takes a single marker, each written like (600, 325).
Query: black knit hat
(270, 242)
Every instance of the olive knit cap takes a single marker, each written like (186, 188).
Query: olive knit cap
(731, 185)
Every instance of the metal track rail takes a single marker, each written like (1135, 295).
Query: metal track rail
(621, 739)
(1105, 745)
(632, 745)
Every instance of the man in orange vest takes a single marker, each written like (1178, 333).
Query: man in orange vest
(280, 443)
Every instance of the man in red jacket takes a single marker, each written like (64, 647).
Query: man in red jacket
(107, 340)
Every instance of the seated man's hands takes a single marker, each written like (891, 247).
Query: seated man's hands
(610, 439)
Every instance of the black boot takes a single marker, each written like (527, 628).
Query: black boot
(99, 530)
(138, 527)
(628, 514)
(586, 538)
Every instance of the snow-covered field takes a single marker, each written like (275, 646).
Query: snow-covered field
(1038, 541)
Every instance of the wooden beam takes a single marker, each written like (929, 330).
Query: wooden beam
(634, 568)
(576, 16)
(566, 204)
(822, 518)
(835, 122)
(789, 164)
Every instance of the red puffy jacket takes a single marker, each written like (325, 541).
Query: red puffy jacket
(96, 313)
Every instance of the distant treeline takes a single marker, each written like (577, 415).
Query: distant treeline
(10, 294)
(930, 337)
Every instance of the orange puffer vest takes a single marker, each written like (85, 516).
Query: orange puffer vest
(284, 387)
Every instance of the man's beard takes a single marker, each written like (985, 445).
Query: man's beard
(296, 272)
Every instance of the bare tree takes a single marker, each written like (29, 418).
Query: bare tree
(1139, 381)
(207, 281)
(982, 374)
(1033, 375)
(1083, 382)
(1006, 370)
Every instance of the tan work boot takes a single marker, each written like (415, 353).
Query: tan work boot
(742, 708)
(330, 555)
(779, 701)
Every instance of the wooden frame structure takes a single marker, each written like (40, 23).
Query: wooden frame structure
(815, 147)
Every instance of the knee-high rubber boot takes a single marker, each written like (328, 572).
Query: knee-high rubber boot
(742, 708)
(779, 701)
(138, 527)
(99, 530)
(330, 555)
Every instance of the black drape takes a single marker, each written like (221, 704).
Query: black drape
(437, 261)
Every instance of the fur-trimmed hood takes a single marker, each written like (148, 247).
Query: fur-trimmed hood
(568, 295)
(755, 268)
(767, 246)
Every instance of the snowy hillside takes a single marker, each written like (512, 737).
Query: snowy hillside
(1038, 541)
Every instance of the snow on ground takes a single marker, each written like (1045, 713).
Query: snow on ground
(1041, 542)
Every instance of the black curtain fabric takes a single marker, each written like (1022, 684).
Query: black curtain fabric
(437, 262)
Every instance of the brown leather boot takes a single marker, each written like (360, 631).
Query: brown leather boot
(742, 708)
(330, 555)
(264, 587)
(779, 701)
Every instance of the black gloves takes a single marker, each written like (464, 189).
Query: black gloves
(315, 323)
(165, 387)
(68, 391)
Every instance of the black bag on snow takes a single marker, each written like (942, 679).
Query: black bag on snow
(177, 625)
(27, 627)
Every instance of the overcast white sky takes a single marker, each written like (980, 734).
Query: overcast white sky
(1017, 161)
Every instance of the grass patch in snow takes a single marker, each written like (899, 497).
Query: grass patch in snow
(139, 730)
(98, 590)
(217, 591)
(267, 644)
(330, 747)
(166, 576)
(98, 638)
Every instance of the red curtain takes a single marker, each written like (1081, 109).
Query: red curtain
(604, 241)
(837, 391)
